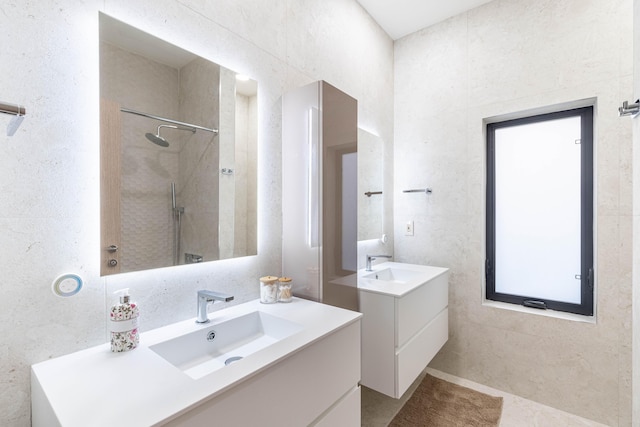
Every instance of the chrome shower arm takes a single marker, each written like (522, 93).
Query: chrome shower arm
(175, 122)
(175, 127)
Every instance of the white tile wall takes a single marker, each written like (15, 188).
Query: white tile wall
(503, 57)
(506, 56)
(635, 197)
(49, 171)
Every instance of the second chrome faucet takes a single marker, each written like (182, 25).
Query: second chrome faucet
(372, 257)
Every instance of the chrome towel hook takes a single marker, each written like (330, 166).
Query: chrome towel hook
(629, 109)
(18, 111)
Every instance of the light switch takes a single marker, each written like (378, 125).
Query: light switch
(408, 228)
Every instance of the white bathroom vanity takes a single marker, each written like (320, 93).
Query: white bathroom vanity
(297, 364)
(405, 323)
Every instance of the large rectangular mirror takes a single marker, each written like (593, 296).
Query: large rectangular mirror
(178, 155)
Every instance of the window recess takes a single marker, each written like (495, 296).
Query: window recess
(539, 249)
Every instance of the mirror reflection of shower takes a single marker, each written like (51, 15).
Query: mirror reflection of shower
(177, 224)
(160, 141)
(177, 211)
(157, 139)
(142, 72)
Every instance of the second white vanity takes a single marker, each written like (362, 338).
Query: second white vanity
(405, 323)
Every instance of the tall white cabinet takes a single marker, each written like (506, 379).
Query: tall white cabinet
(319, 133)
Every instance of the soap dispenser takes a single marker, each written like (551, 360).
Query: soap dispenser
(123, 323)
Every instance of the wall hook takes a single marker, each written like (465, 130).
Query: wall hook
(629, 109)
(16, 110)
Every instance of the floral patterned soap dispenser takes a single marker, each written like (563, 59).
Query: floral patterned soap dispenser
(124, 323)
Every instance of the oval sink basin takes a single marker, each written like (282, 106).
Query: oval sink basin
(392, 274)
(206, 350)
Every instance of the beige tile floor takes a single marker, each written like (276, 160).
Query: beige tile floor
(378, 410)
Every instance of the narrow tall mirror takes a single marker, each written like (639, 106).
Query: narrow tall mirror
(370, 184)
(178, 155)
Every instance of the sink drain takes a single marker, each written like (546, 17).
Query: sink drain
(230, 360)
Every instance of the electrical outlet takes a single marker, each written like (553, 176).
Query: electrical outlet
(408, 228)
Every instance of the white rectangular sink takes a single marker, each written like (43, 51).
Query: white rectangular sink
(213, 347)
(394, 274)
(397, 278)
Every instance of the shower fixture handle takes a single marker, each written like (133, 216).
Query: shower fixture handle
(112, 248)
(173, 196)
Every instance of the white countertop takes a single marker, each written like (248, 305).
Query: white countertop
(397, 289)
(139, 388)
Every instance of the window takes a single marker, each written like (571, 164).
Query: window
(540, 211)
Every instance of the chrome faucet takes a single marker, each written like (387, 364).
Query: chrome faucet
(204, 298)
(372, 257)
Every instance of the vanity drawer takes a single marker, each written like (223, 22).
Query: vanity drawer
(419, 307)
(347, 412)
(295, 391)
(418, 352)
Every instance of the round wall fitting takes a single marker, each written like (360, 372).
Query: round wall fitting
(67, 285)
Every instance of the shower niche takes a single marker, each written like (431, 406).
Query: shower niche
(178, 155)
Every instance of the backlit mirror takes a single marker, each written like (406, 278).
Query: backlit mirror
(370, 183)
(178, 155)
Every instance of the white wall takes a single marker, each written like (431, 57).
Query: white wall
(503, 57)
(49, 171)
(636, 216)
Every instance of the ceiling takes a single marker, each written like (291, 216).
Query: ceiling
(401, 17)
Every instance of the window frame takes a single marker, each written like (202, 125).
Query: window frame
(587, 279)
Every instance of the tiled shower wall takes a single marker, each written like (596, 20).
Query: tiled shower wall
(510, 56)
(147, 169)
(245, 226)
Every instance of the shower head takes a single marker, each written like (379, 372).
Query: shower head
(158, 140)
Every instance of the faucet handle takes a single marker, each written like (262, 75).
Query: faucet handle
(372, 257)
(214, 296)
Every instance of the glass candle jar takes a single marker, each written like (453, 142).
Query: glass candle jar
(268, 289)
(284, 289)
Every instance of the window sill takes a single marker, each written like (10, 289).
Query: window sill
(546, 313)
